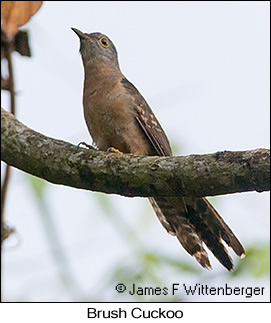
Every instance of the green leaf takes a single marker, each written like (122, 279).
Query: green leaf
(180, 265)
(38, 186)
(256, 263)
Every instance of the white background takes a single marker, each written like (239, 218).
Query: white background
(78, 312)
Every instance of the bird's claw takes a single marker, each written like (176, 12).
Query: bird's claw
(114, 150)
(85, 145)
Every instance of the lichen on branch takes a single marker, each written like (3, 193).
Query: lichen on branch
(60, 162)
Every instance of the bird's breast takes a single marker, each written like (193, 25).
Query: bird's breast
(111, 121)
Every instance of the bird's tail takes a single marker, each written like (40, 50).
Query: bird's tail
(194, 221)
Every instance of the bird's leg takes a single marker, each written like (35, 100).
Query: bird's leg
(85, 145)
(114, 150)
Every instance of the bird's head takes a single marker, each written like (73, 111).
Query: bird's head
(96, 46)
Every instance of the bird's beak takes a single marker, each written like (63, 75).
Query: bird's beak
(80, 34)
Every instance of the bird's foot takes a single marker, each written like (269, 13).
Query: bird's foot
(114, 150)
(85, 145)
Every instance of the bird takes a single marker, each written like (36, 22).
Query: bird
(119, 118)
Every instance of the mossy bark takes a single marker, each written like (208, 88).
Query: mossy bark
(60, 162)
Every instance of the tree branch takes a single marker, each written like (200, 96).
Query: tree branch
(60, 162)
(6, 51)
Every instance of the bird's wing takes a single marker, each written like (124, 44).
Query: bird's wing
(148, 122)
(192, 220)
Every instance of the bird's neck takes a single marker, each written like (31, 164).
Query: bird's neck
(101, 73)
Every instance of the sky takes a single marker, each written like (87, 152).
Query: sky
(203, 67)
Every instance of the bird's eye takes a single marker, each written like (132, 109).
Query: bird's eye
(104, 41)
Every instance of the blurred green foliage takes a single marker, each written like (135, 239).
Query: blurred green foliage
(37, 186)
(147, 267)
(256, 263)
(66, 277)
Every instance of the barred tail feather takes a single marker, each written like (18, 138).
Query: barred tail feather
(194, 221)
